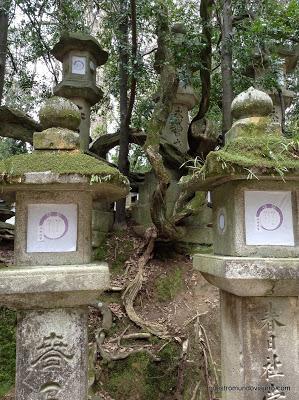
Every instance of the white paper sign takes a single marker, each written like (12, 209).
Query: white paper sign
(269, 218)
(78, 65)
(52, 228)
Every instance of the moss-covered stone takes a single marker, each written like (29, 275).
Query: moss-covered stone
(139, 377)
(56, 139)
(252, 127)
(251, 157)
(250, 103)
(63, 163)
(59, 112)
(262, 154)
(7, 349)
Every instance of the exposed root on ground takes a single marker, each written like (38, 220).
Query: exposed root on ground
(135, 286)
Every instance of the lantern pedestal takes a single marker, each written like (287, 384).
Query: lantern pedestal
(259, 325)
(52, 354)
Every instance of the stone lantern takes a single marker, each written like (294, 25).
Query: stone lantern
(254, 184)
(80, 55)
(176, 128)
(53, 279)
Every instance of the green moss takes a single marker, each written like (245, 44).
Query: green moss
(7, 349)
(167, 287)
(269, 155)
(122, 253)
(61, 163)
(263, 154)
(127, 378)
(101, 252)
(139, 377)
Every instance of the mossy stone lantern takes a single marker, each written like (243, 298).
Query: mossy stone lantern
(80, 55)
(54, 279)
(254, 184)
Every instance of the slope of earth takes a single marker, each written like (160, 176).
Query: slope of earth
(126, 362)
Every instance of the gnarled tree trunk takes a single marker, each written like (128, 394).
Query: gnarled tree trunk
(3, 43)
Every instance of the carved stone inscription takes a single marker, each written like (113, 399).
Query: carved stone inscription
(52, 355)
(273, 367)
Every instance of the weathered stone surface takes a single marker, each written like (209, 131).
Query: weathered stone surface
(176, 128)
(52, 286)
(250, 276)
(251, 103)
(28, 171)
(232, 240)
(102, 220)
(72, 88)
(56, 139)
(59, 112)
(52, 354)
(198, 235)
(98, 238)
(259, 347)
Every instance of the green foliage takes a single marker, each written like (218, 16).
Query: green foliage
(139, 377)
(168, 286)
(7, 349)
(34, 28)
(10, 147)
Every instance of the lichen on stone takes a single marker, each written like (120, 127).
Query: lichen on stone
(59, 112)
(251, 103)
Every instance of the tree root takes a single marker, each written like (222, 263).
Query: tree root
(134, 287)
(115, 356)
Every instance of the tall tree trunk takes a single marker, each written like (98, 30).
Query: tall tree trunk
(226, 66)
(123, 162)
(206, 12)
(3, 44)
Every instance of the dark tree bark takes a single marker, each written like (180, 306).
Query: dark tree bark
(206, 10)
(126, 107)
(3, 45)
(226, 66)
(123, 162)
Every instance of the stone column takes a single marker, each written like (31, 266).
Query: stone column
(255, 261)
(53, 280)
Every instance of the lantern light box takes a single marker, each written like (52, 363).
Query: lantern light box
(52, 228)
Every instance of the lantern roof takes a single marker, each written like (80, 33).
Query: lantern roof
(79, 41)
(254, 149)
